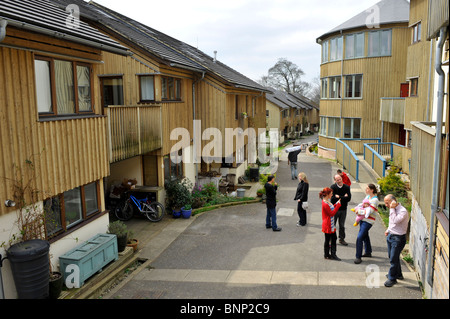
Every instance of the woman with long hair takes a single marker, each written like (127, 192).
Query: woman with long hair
(301, 196)
(328, 225)
(365, 225)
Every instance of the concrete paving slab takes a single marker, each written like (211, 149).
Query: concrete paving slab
(307, 278)
(249, 277)
(213, 276)
(335, 278)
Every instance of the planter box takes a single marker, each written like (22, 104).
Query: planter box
(89, 258)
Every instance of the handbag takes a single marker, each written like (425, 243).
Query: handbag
(305, 205)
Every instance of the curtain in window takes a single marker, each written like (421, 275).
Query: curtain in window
(90, 197)
(64, 87)
(84, 88)
(147, 88)
(43, 86)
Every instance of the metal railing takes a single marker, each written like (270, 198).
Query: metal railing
(378, 154)
(348, 158)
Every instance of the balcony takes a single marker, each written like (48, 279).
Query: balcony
(392, 110)
(133, 130)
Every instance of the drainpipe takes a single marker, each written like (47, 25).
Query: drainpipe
(3, 24)
(437, 153)
(193, 123)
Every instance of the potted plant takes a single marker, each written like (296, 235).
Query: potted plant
(178, 194)
(186, 211)
(119, 229)
(132, 242)
(55, 284)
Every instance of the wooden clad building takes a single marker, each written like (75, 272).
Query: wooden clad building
(363, 59)
(53, 130)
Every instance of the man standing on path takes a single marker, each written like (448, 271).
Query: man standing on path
(395, 237)
(271, 203)
(292, 160)
(342, 192)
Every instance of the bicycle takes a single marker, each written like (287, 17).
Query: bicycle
(154, 211)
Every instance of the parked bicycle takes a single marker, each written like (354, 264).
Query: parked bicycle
(154, 211)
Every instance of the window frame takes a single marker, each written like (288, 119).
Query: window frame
(414, 87)
(335, 94)
(416, 32)
(166, 88)
(102, 89)
(141, 100)
(54, 106)
(352, 126)
(354, 46)
(379, 41)
(63, 227)
(353, 86)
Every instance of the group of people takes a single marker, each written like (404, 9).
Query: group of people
(335, 200)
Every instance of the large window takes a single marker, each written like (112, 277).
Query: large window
(354, 45)
(335, 87)
(62, 87)
(353, 86)
(380, 43)
(413, 86)
(336, 49)
(170, 88)
(334, 127)
(323, 126)
(74, 206)
(324, 91)
(112, 91)
(352, 128)
(147, 85)
(325, 51)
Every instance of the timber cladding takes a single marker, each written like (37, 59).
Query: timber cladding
(65, 153)
(381, 77)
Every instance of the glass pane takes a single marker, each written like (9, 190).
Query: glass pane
(359, 47)
(348, 128)
(358, 86)
(147, 88)
(178, 89)
(112, 91)
(43, 86)
(72, 206)
(84, 88)
(349, 86)
(52, 211)
(90, 196)
(64, 87)
(164, 88)
(385, 48)
(340, 48)
(350, 46)
(356, 128)
(373, 43)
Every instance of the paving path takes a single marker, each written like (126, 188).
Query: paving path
(228, 252)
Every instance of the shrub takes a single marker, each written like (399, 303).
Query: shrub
(178, 193)
(392, 183)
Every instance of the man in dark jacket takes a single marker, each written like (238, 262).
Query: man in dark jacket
(342, 192)
(271, 203)
(292, 160)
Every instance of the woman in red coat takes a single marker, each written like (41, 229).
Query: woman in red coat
(328, 226)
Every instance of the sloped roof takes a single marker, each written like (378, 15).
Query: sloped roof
(170, 50)
(390, 11)
(289, 100)
(44, 16)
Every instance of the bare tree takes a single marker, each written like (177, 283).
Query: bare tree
(286, 76)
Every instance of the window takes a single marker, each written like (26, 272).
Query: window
(170, 89)
(173, 169)
(416, 32)
(325, 52)
(413, 86)
(71, 208)
(353, 86)
(336, 47)
(335, 87)
(112, 90)
(352, 128)
(324, 92)
(62, 87)
(323, 126)
(380, 43)
(147, 85)
(236, 108)
(354, 46)
(334, 127)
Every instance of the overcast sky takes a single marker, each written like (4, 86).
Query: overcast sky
(248, 35)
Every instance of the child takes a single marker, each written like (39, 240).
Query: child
(362, 211)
